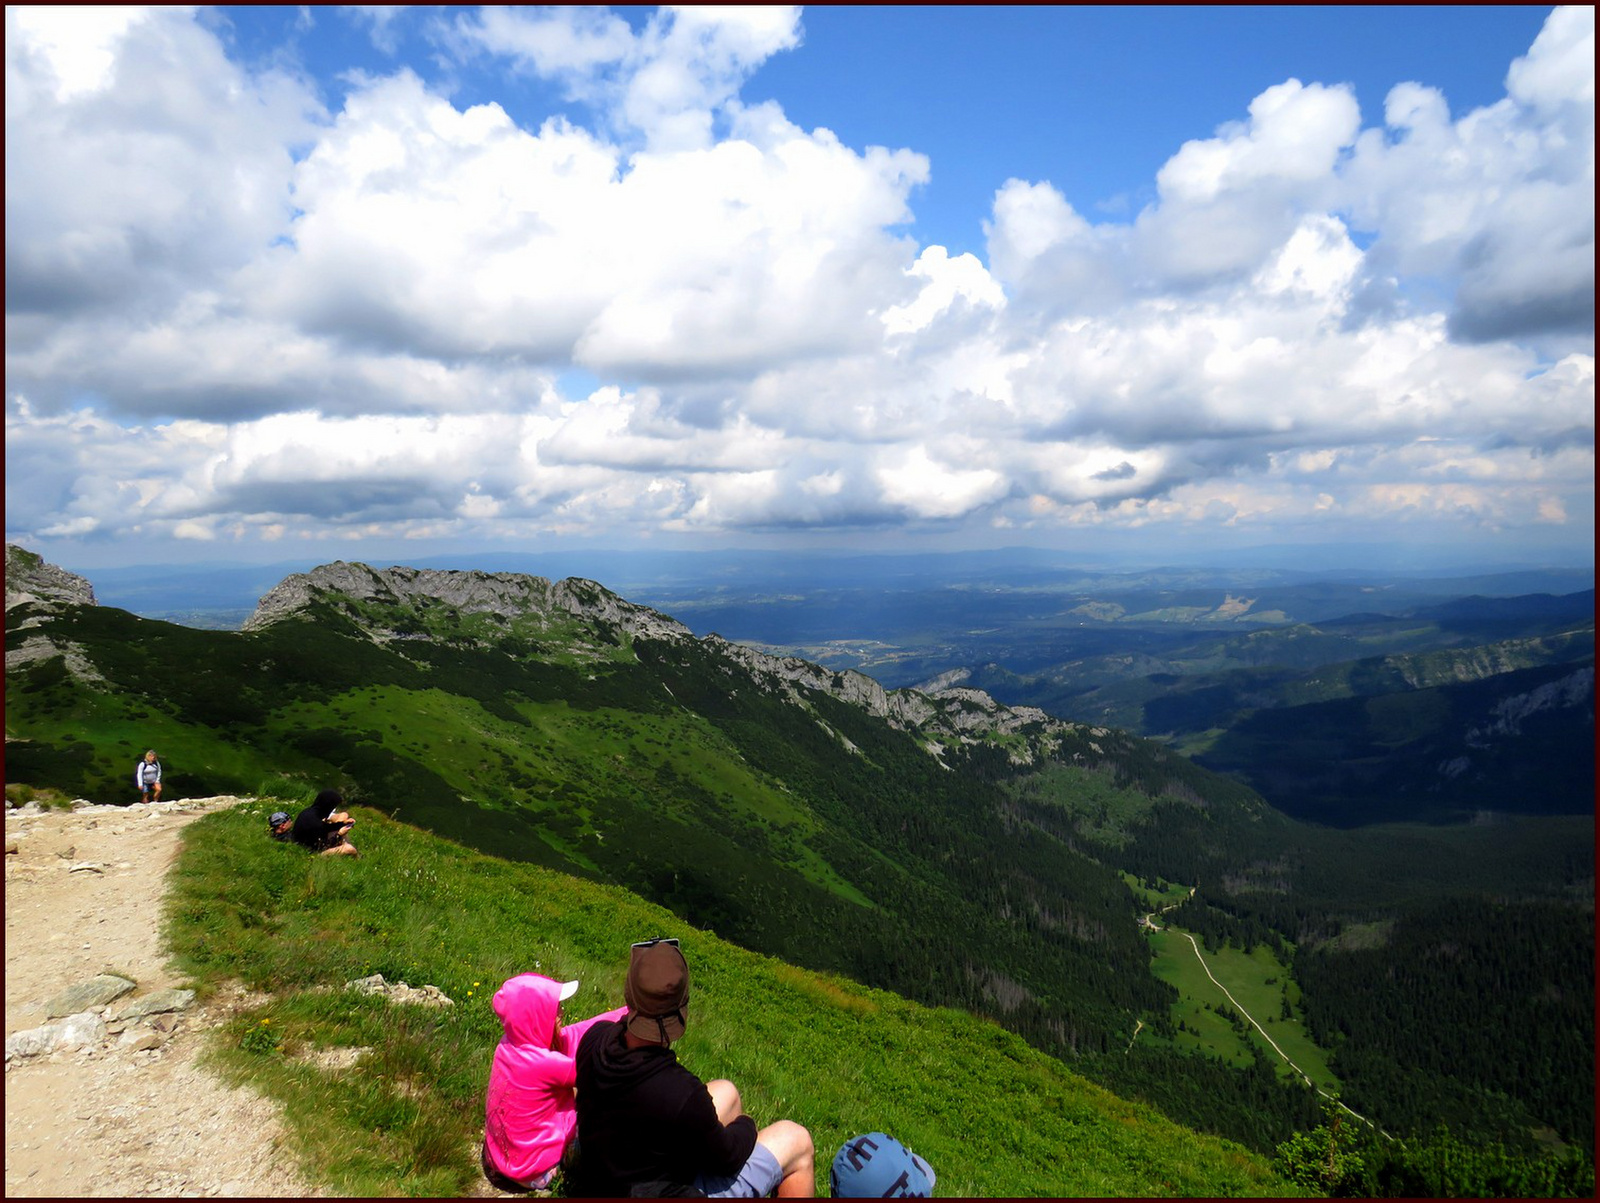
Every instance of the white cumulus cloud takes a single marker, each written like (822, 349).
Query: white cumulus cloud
(236, 314)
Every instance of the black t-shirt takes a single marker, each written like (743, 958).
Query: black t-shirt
(312, 829)
(642, 1117)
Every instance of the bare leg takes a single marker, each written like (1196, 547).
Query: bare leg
(725, 1095)
(791, 1144)
(341, 850)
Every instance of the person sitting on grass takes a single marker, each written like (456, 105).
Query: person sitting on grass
(323, 827)
(529, 1106)
(648, 1126)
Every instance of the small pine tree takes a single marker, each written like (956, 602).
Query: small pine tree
(1323, 1160)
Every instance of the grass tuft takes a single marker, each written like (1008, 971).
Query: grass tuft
(18, 794)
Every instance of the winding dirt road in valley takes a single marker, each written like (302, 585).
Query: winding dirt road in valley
(1150, 922)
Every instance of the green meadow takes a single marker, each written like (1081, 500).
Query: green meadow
(994, 1116)
(1157, 895)
(1259, 983)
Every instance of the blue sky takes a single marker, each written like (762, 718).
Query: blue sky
(1094, 99)
(353, 281)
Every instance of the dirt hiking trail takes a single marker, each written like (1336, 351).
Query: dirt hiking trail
(117, 1116)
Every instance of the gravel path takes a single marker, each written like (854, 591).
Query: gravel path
(83, 892)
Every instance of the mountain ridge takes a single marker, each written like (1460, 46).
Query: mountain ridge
(505, 595)
(29, 578)
(405, 595)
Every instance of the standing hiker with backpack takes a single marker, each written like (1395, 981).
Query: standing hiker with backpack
(147, 777)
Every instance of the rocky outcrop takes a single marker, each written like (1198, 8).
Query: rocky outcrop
(25, 646)
(945, 680)
(1505, 721)
(30, 579)
(959, 714)
(96, 992)
(401, 992)
(85, 1018)
(503, 596)
(789, 674)
(43, 588)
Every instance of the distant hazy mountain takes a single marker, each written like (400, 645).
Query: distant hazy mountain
(1328, 731)
(716, 584)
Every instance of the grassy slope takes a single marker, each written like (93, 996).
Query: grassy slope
(994, 1116)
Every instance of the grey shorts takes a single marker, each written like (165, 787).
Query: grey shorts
(757, 1177)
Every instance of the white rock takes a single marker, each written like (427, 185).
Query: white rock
(82, 1029)
(32, 1042)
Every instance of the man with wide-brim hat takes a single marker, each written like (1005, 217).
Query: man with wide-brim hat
(649, 1126)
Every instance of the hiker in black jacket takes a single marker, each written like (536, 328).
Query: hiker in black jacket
(323, 827)
(648, 1126)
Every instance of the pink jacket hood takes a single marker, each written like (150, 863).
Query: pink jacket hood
(530, 1102)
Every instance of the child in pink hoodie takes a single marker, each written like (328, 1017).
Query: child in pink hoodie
(530, 1107)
